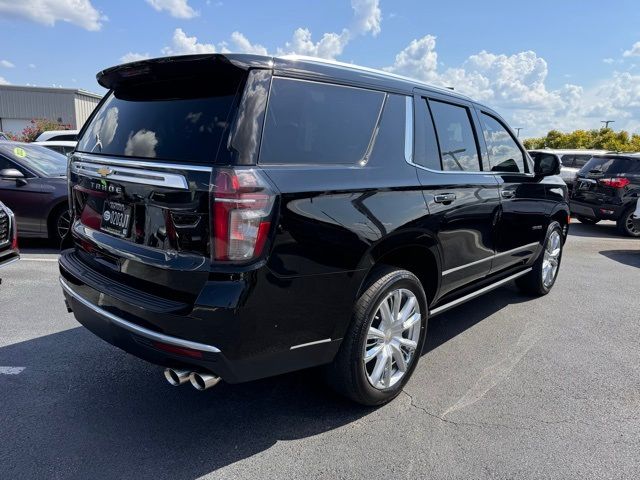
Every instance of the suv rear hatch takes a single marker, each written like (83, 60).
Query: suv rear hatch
(603, 179)
(140, 178)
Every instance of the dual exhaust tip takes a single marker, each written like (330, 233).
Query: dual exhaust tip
(199, 381)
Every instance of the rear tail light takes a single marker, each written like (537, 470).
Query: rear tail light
(619, 182)
(241, 211)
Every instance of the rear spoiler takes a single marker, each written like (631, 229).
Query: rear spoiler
(183, 66)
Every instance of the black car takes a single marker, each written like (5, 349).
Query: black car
(8, 237)
(33, 184)
(607, 188)
(240, 216)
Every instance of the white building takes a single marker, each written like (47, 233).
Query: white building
(19, 105)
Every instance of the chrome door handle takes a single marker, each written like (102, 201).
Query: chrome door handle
(508, 193)
(444, 197)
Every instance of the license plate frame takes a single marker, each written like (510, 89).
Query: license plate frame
(116, 218)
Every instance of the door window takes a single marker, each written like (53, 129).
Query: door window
(456, 137)
(504, 153)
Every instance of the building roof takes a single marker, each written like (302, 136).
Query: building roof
(28, 88)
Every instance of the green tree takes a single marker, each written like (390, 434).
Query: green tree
(601, 139)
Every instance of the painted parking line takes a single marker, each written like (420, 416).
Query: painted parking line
(11, 370)
(29, 259)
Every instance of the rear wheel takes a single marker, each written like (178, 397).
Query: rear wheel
(541, 279)
(587, 220)
(626, 226)
(383, 343)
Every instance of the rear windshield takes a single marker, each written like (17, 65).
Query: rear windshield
(611, 166)
(171, 120)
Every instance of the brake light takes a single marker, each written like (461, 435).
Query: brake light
(242, 203)
(619, 182)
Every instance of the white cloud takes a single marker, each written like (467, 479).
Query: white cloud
(181, 44)
(47, 12)
(516, 86)
(329, 46)
(176, 8)
(32, 65)
(4, 81)
(608, 61)
(243, 45)
(634, 51)
(134, 57)
(368, 16)
(6, 64)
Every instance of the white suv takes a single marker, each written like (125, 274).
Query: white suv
(571, 161)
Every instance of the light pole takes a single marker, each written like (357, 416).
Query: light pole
(517, 129)
(607, 122)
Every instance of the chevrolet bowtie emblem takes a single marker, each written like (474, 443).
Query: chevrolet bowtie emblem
(104, 171)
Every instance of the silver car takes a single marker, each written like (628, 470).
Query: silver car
(571, 161)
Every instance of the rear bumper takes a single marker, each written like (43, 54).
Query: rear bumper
(596, 211)
(170, 339)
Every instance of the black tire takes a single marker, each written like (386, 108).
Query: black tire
(347, 373)
(587, 220)
(625, 224)
(58, 222)
(532, 283)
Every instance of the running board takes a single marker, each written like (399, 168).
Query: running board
(477, 293)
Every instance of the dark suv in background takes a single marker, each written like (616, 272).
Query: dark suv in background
(240, 216)
(607, 188)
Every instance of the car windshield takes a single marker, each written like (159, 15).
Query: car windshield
(43, 161)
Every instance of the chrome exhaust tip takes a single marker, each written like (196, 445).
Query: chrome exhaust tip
(203, 381)
(176, 377)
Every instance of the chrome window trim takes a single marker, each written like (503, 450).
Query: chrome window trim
(131, 175)
(88, 157)
(137, 329)
(408, 149)
(408, 130)
(501, 254)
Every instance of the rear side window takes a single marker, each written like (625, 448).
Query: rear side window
(580, 161)
(181, 120)
(317, 123)
(458, 148)
(567, 160)
(504, 153)
(611, 166)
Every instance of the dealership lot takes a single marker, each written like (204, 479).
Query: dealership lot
(507, 387)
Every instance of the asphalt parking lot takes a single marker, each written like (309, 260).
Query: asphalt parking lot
(507, 387)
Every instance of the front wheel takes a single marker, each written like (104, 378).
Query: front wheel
(541, 279)
(383, 343)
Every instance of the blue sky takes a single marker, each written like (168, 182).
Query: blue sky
(544, 64)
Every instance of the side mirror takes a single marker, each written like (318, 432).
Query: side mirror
(546, 164)
(13, 174)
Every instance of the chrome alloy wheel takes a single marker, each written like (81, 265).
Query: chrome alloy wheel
(392, 338)
(64, 223)
(551, 258)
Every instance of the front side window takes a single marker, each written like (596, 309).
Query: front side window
(504, 153)
(317, 123)
(458, 148)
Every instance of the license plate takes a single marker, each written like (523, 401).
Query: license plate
(116, 218)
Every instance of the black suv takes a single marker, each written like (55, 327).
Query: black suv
(240, 216)
(607, 188)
